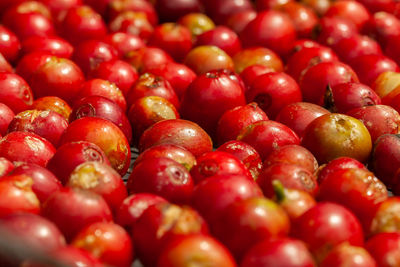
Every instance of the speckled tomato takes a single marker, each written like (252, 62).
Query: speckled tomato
(234, 120)
(53, 103)
(102, 107)
(266, 136)
(45, 123)
(133, 207)
(6, 166)
(116, 6)
(45, 183)
(16, 92)
(291, 176)
(385, 217)
(161, 222)
(195, 249)
(99, 178)
(26, 147)
(72, 209)
(215, 194)
(132, 22)
(279, 252)
(252, 220)
(175, 152)
(106, 135)
(246, 153)
(164, 177)
(297, 116)
(335, 225)
(357, 189)
(106, 241)
(148, 110)
(178, 132)
(336, 135)
(16, 196)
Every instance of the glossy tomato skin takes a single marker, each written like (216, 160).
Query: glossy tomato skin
(272, 29)
(103, 88)
(332, 29)
(164, 177)
(71, 209)
(53, 45)
(89, 54)
(133, 207)
(178, 75)
(116, 71)
(263, 136)
(9, 45)
(213, 195)
(291, 176)
(106, 135)
(173, 38)
(326, 138)
(346, 96)
(222, 37)
(245, 153)
(160, 223)
(385, 249)
(102, 107)
(45, 183)
(123, 42)
(363, 195)
(100, 178)
(314, 81)
(115, 7)
(250, 73)
(385, 217)
(16, 92)
(146, 58)
(379, 119)
(276, 253)
(297, 116)
(252, 220)
(257, 55)
(338, 164)
(353, 11)
(197, 23)
(273, 91)
(34, 230)
(71, 154)
(17, 196)
(303, 17)
(307, 57)
(175, 152)
(148, 110)
(345, 254)
(151, 85)
(111, 243)
(195, 248)
(23, 147)
(179, 132)
(217, 163)
(58, 76)
(6, 116)
(345, 227)
(132, 22)
(293, 154)
(294, 202)
(53, 103)
(382, 26)
(45, 123)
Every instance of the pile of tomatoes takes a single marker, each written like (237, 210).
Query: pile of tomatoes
(181, 133)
